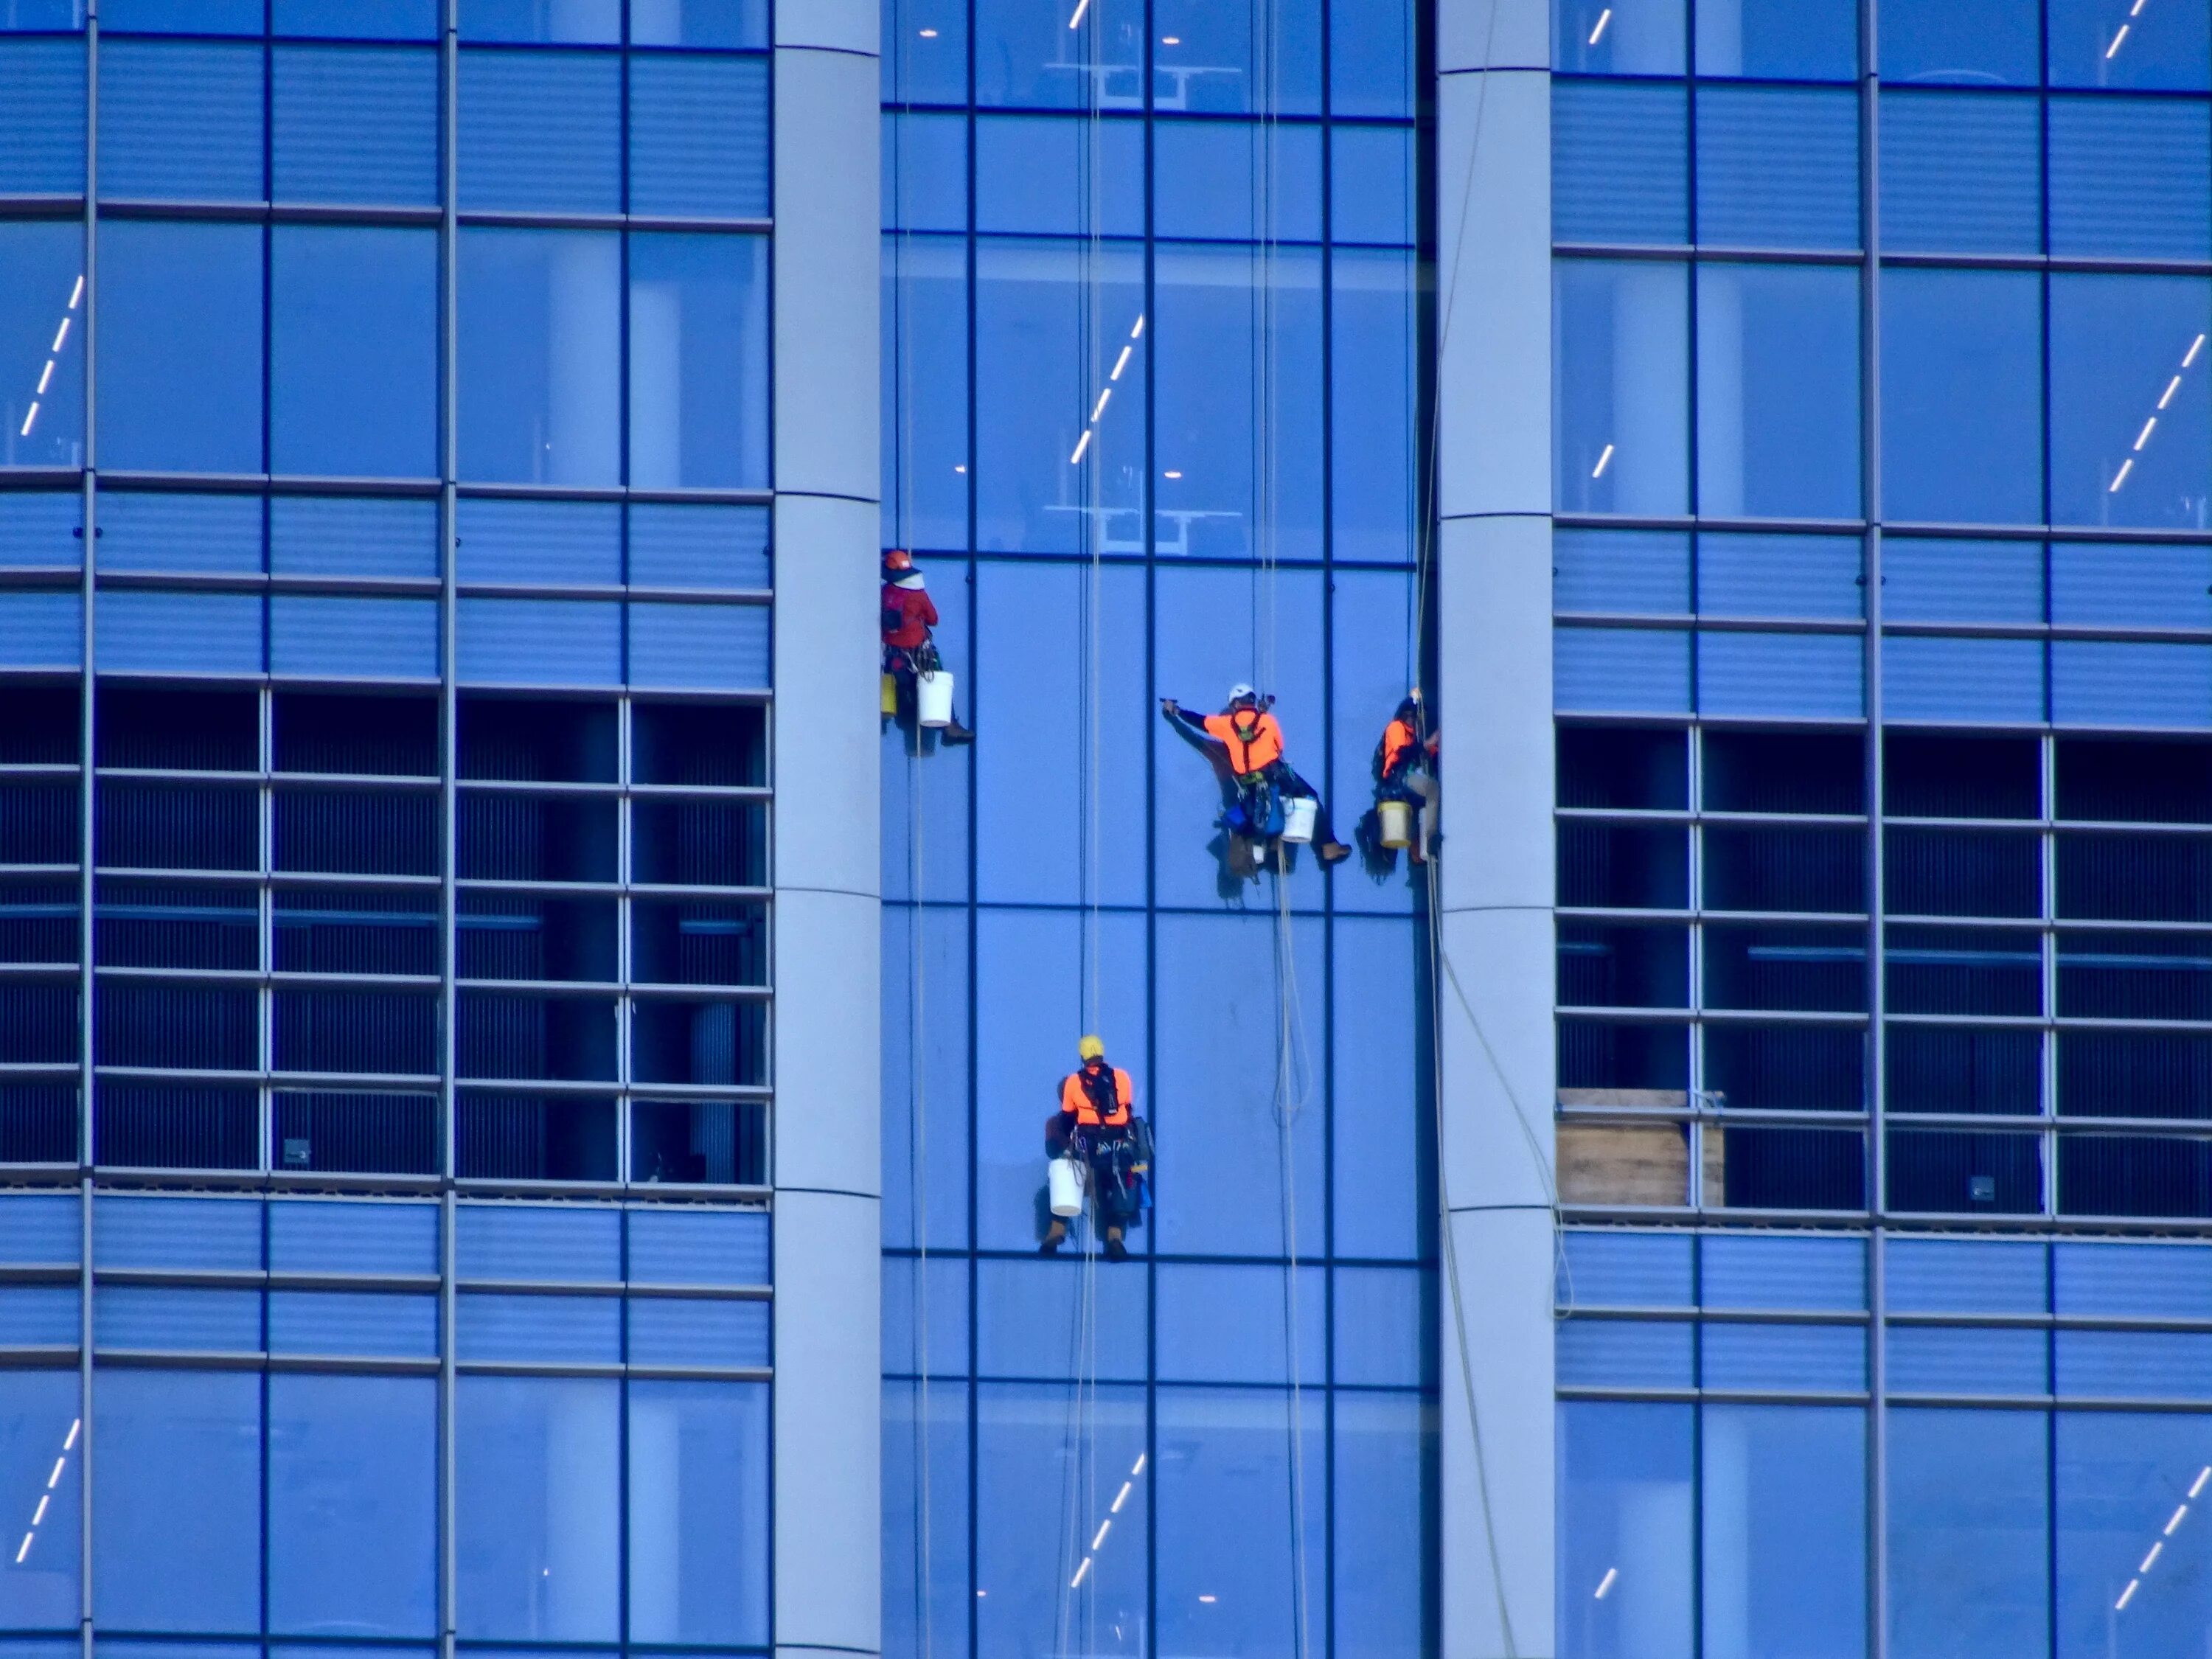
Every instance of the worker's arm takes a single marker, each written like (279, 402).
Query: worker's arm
(1192, 726)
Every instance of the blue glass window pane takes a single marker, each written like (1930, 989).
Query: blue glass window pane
(664, 1331)
(1778, 392)
(1621, 162)
(1235, 56)
(1379, 1488)
(1779, 576)
(2130, 177)
(1620, 669)
(39, 1317)
(176, 1443)
(1961, 171)
(1932, 1359)
(684, 1247)
(1960, 1275)
(331, 536)
(354, 124)
(2118, 584)
(2113, 683)
(698, 1457)
(183, 16)
(180, 121)
(356, 19)
(925, 179)
(1590, 37)
(353, 1509)
(540, 365)
(40, 630)
(698, 22)
(1370, 58)
(207, 1321)
(2105, 43)
(198, 533)
(221, 1234)
(538, 1508)
(1013, 1340)
(1373, 187)
(541, 131)
(1624, 1353)
(1621, 572)
(2160, 1281)
(39, 1229)
(576, 1328)
(353, 351)
(717, 547)
(1751, 1272)
(1372, 625)
(353, 1323)
(1819, 676)
(516, 1241)
(925, 50)
(2133, 1365)
(1625, 1487)
(40, 1422)
(698, 362)
(1779, 39)
(1969, 1539)
(1962, 389)
(1226, 1324)
(722, 647)
(1041, 174)
(1380, 1141)
(1624, 1270)
(1236, 181)
(42, 344)
(539, 543)
(1989, 681)
(942, 1323)
(1621, 350)
(1785, 1359)
(318, 636)
(1784, 1529)
(1384, 1327)
(2131, 401)
(185, 633)
(1778, 167)
(1967, 42)
(698, 136)
(1375, 371)
(2120, 1477)
(1928, 580)
(37, 15)
(924, 367)
(588, 23)
(322, 1236)
(181, 339)
(41, 116)
(1029, 58)
(926, 1524)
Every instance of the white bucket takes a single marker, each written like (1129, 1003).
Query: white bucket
(1299, 812)
(1064, 1178)
(934, 697)
(1397, 817)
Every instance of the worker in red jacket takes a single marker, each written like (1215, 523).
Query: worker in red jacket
(909, 648)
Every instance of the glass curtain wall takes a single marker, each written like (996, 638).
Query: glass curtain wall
(1153, 413)
(1882, 464)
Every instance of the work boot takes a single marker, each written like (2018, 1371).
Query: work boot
(1055, 1237)
(1115, 1250)
(955, 732)
(1333, 851)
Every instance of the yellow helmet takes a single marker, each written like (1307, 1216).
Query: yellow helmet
(1090, 1048)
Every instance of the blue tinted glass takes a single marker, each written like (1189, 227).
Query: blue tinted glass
(707, 647)
(1628, 571)
(353, 1323)
(39, 530)
(2114, 43)
(1778, 169)
(1969, 1542)
(1370, 58)
(2121, 1479)
(926, 1059)
(698, 362)
(2133, 1365)
(41, 1316)
(1625, 1523)
(40, 1228)
(541, 130)
(1608, 1354)
(1014, 1338)
(1644, 671)
(1592, 37)
(2122, 585)
(331, 536)
(1041, 174)
(591, 22)
(180, 121)
(1384, 1327)
(1778, 391)
(1374, 372)
(1380, 1139)
(1372, 186)
(536, 1489)
(1779, 576)
(1236, 55)
(1621, 351)
(2130, 177)
(718, 547)
(176, 1442)
(355, 124)
(1379, 1479)
(1931, 580)
(924, 49)
(698, 1466)
(1961, 171)
(40, 1421)
(209, 1322)
(941, 1319)
(1621, 162)
(2157, 1280)
(188, 633)
(1783, 1359)
(42, 630)
(698, 136)
(924, 367)
(925, 1518)
(161, 531)
(517, 1242)
(1783, 39)
(353, 1510)
(1624, 1270)
(1962, 680)
(1962, 388)
(353, 351)
(312, 636)
(181, 336)
(1967, 42)
(540, 365)
(539, 543)
(924, 161)
(1027, 57)
(698, 22)
(1959, 1275)
(1934, 1359)
(310, 1236)
(1811, 675)
(41, 116)
(359, 19)
(44, 15)
(223, 1234)
(1752, 1272)
(42, 344)
(2130, 400)
(2108, 682)
(1227, 1324)
(183, 16)
(665, 1331)
(1238, 180)
(1783, 1530)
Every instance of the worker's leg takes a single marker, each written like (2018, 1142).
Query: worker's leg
(1425, 785)
(1325, 839)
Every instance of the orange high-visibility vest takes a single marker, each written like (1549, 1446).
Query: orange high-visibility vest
(1075, 1100)
(1254, 740)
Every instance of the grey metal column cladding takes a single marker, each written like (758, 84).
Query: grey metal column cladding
(1494, 575)
(86, 1056)
(449, 67)
(828, 922)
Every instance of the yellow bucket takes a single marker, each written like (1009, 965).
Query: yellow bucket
(1397, 819)
(891, 694)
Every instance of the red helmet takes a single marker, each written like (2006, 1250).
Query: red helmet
(898, 559)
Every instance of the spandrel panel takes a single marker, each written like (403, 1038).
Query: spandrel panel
(1961, 171)
(2130, 177)
(1621, 162)
(541, 131)
(41, 116)
(1778, 167)
(699, 136)
(355, 125)
(180, 121)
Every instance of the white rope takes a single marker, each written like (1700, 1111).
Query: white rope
(1293, 1082)
(917, 1068)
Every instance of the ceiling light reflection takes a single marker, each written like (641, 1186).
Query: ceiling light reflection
(1603, 18)
(1604, 462)
(1605, 1583)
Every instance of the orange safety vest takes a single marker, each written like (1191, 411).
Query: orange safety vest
(1253, 739)
(1397, 737)
(1075, 1100)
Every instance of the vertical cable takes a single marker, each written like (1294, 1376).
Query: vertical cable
(87, 802)
(449, 800)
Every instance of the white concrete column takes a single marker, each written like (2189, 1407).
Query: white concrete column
(828, 1514)
(1496, 1034)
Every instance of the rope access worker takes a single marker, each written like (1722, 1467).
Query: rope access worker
(1095, 1123)
(909, 647)
(1406, 770)
(1253, 740)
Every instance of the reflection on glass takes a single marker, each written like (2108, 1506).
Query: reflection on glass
(1051, 174)
(1779, 390)
(38, 1425)
(2127, 1482)
(1624, 1477)
(539, 1520)
(1383, 1548)
(2130, 400)
(925, 394)
(698, 362)
(1238, 180)
(1621, 347)
(926, 1528)
(1618, 36)
(1237, 56)
(353, 1511)
(1783, 1531)
(1968, 1535)
(1370, 59)
(587, 22)
(175, 1444)
(1061, 54)
(697, 1467)
(2115, 43)
(1374, 377)
(41, 344)
(540, 365)
(1964, 42)
(1781, 39)
(1962, 392)
(925, 50)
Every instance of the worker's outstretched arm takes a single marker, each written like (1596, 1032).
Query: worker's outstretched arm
(1191, 726)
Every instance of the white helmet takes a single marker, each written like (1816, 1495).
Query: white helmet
(1241, 692)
